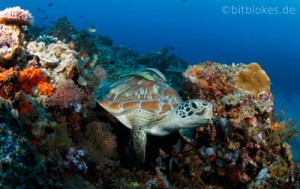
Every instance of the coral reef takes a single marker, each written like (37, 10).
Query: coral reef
(242, 140)
(50, 125)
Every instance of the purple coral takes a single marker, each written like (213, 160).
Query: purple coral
(75, 160)
(16, 15)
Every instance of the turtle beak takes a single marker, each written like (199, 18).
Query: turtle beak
(206, 112)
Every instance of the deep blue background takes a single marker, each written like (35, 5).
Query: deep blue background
(198, 30)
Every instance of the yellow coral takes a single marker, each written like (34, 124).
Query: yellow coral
(282, 130)
(253, 79)
(278, 171)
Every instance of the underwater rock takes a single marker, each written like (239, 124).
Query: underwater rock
(244, 111)
(55, 168)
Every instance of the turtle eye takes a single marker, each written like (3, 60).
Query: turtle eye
(194, 105)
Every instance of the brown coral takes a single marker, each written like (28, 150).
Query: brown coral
(16, 15)
(100, 143)
(66, 95)
(9, 42)
(253, 79)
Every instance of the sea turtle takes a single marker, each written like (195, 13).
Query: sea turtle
(146, 104)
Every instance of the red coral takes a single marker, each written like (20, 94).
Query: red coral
(25, 107)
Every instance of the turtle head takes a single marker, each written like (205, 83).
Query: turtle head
(194, 113)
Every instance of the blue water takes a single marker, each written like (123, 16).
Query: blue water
(264, 31)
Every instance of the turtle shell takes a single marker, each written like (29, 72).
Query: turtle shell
(146, 89)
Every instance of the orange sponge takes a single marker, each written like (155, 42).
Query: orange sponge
(45, 88)
(34, 77)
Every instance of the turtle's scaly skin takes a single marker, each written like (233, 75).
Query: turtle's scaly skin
(145, 103)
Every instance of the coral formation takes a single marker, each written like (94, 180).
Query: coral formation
(46, 56)
(16, 15)
(9, 42)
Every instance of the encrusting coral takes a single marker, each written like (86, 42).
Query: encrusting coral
(253, 79)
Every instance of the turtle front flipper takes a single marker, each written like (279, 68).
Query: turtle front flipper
(138, 144)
